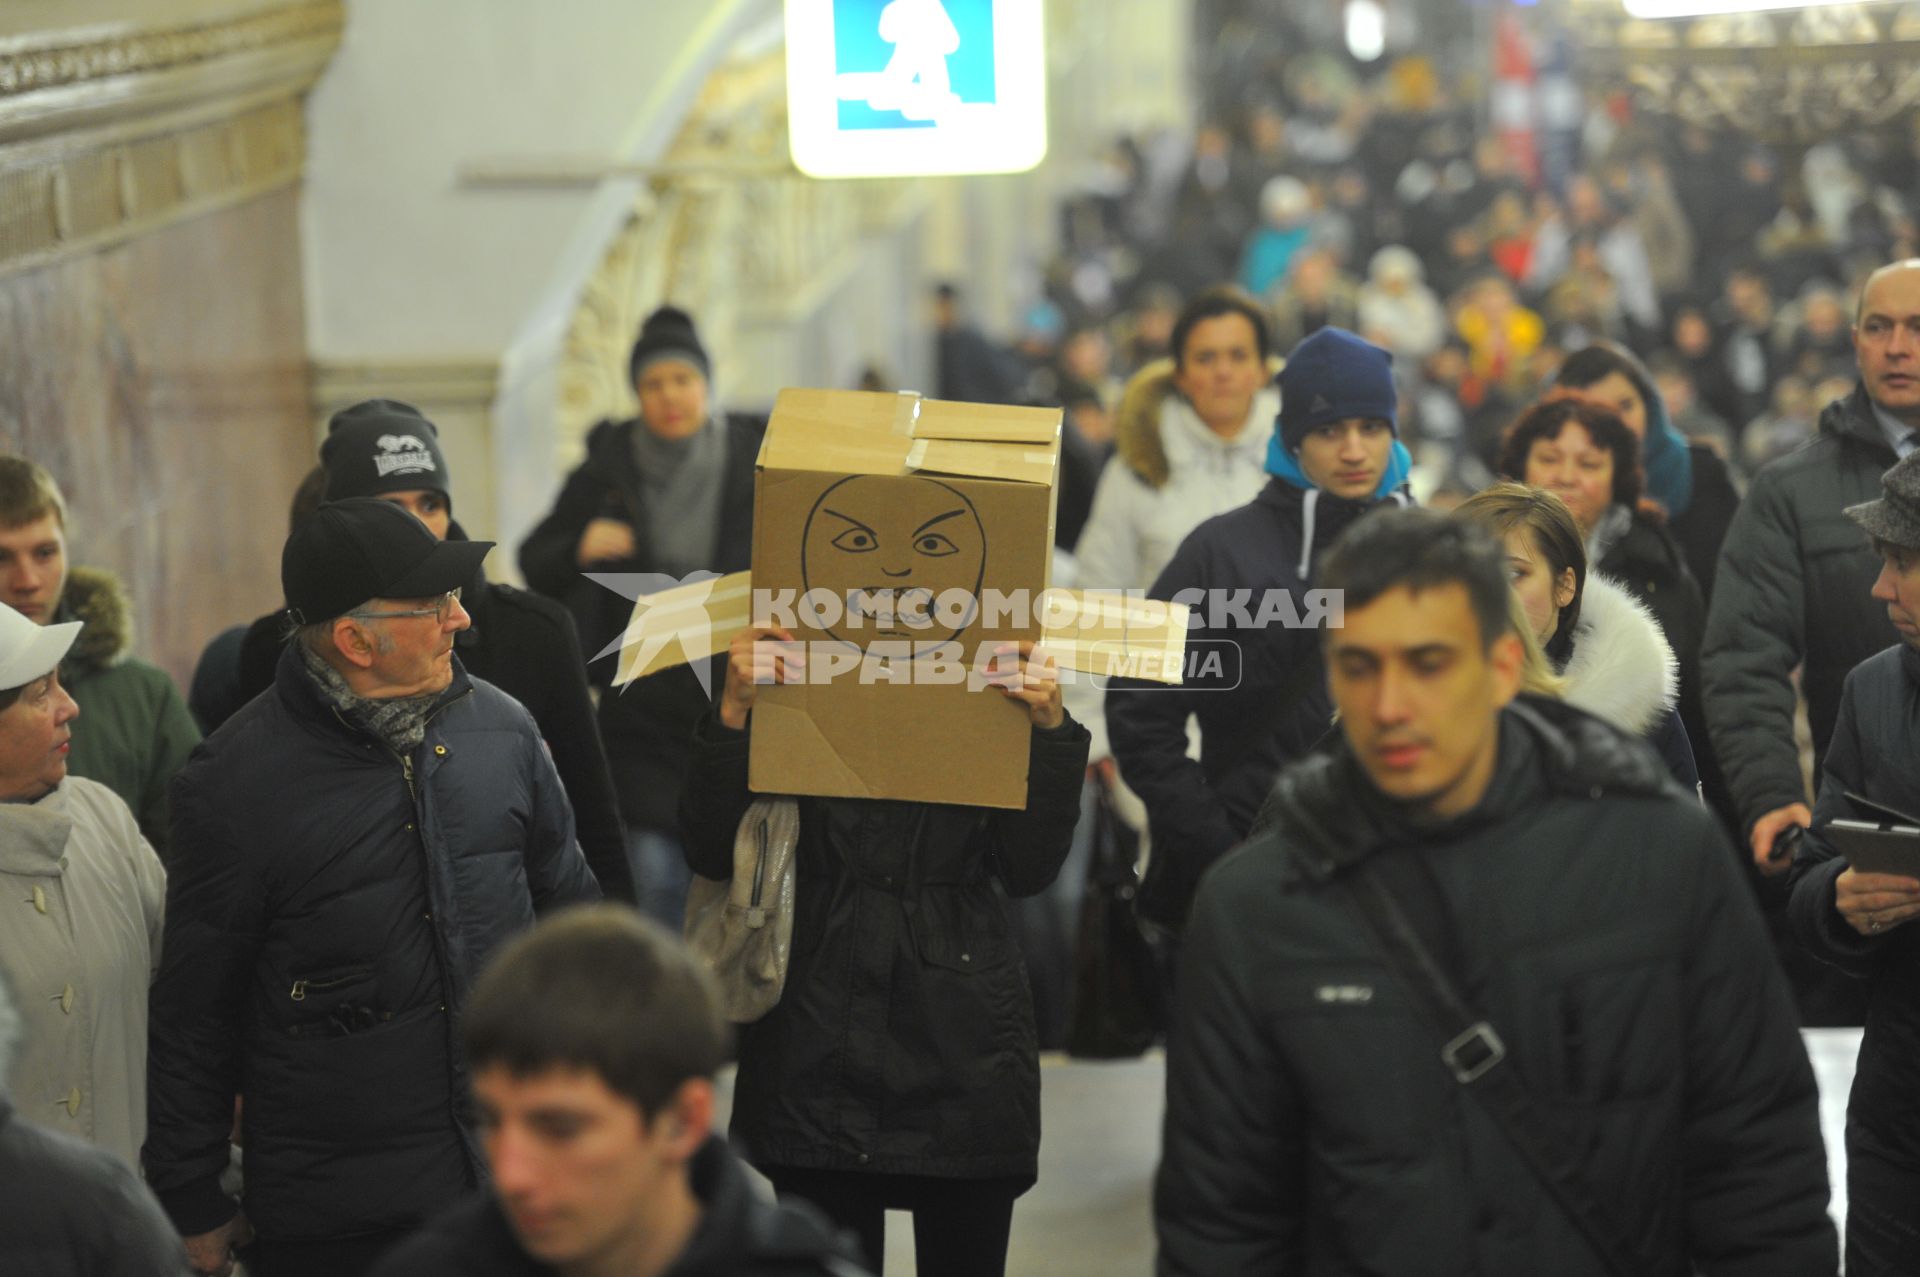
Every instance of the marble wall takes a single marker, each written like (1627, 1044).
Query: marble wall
(163, 382)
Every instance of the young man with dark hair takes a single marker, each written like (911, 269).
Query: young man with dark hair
(139, 731)
(593, 1042)
(1592, 929)
(1332, 454)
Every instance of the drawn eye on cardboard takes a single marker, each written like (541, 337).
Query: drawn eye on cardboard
(904, 557)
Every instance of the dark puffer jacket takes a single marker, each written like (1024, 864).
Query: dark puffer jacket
(134, 732)
(1600, 926)
(1872, 753)
(73, 1210)
(904, 1041)
(1794, 586)
(739, 1235)
(526, 646)
(647, 724)
(331, 906)
(1262, 705)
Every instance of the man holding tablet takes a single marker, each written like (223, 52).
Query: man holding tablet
(1858, 920)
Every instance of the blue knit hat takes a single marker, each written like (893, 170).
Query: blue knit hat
(1331, 376)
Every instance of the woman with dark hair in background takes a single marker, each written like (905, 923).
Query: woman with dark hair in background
(1688, 480)
(1587, 457)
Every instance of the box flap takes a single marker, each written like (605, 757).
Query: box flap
(862, 432)
(987, 423)
(855, 431)
(972, 459)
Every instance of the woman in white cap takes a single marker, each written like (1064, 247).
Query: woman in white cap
(81, 895)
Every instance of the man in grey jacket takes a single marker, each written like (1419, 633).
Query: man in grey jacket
(1795, 578)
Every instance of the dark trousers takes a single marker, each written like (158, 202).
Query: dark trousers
(1883, 1217)
(344, 1257)
(960, 1226)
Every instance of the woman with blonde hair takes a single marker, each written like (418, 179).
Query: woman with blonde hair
(1605, 648)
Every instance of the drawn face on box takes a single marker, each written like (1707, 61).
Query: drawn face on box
(902, 557)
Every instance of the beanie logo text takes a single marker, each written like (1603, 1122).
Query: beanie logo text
(401, 454)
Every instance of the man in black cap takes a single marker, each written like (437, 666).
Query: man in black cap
(354, 843)
(670, 493)
(522, 643)
(1859, 921)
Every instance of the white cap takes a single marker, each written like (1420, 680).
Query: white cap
(29, 651)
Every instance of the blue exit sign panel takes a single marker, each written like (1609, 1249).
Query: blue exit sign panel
(896, 88)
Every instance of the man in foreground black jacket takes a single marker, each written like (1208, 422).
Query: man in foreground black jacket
(593, 1043)
(1860, 922)
(1588, 911)
(353, 844)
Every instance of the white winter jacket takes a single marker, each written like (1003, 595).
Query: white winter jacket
(81, 900)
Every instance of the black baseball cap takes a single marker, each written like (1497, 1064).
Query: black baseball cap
(365, 548)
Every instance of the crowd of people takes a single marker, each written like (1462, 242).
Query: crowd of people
(1607, 471)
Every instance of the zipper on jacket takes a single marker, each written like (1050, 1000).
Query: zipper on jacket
(302, 987)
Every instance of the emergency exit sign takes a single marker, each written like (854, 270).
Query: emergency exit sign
(897, 88)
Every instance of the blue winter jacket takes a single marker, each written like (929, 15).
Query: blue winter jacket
(1254, 679)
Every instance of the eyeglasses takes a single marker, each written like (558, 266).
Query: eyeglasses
(440, 611)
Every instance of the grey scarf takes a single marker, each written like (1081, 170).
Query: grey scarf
(681, 481)
(400, 721)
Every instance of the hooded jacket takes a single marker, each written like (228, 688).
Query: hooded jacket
(904, 1040)
(648, 724)
(1872, 751)
(1598, 924)
(334, 906)
(73, 1210)
(1622, 670)
(1253, 678)
(1795, 587)
(739, 1235)
(1168, 474)
(81, 895)
(134, 731)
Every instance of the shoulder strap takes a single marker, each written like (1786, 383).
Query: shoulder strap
(1477, 1058)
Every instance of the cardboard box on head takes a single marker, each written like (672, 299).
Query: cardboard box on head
(910, 537)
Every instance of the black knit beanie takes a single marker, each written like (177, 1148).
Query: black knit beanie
(383, 445)
(668, 333)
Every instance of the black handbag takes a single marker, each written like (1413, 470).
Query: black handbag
(1118, 1005)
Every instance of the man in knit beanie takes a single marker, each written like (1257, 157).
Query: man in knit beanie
(1254, 677)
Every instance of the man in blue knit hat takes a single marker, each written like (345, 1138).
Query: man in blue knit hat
(1254, 677)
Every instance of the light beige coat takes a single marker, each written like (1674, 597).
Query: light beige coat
(81, 899)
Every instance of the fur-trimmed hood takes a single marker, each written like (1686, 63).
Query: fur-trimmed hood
(1136, 422)
(1622, 669)
(96, 598)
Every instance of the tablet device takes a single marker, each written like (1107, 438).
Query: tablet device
(1877, 849)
